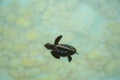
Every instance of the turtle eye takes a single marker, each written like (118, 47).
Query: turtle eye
(48, 44)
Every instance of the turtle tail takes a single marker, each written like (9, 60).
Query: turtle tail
(77, 53)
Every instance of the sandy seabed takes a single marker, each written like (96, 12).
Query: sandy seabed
(91, 26)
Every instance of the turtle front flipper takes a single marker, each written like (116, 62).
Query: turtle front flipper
(55, 55)
(69, 58)
(57, 40)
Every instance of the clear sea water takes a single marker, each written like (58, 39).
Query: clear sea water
(91, 26)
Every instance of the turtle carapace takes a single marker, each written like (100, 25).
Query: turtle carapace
(61, 50)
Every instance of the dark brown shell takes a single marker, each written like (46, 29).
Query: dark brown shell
(65, 50)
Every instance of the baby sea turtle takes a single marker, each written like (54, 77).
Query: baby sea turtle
(61, 50)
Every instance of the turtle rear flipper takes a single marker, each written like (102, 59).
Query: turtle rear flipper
(54, 54)
(57, 40)
(69, 58)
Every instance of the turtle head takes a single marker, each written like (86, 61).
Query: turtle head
(49, 46)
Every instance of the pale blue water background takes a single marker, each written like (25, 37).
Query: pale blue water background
(92, 26)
